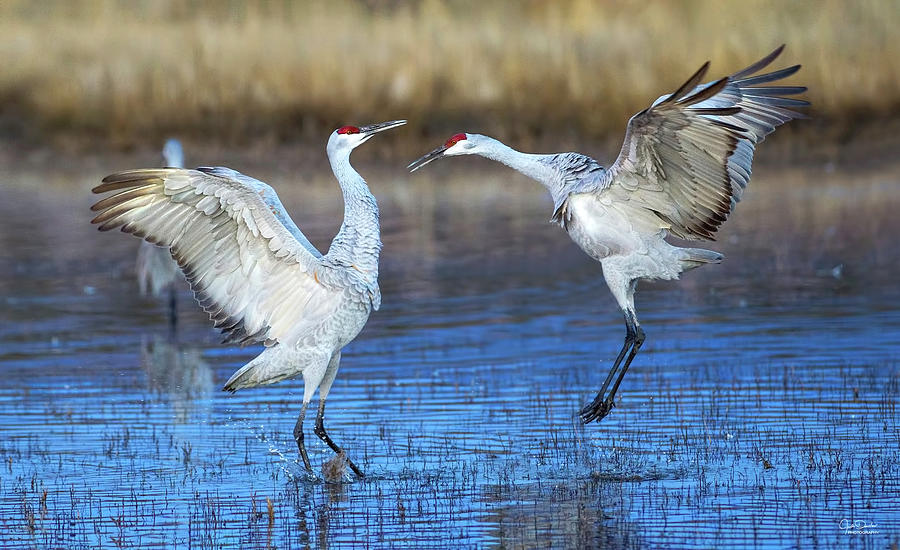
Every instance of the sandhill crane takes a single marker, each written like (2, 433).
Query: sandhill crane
(683, 166)
(157, 272)
(253, 270)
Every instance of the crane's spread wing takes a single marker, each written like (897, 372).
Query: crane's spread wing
(258, 277)
(688, 157)
(270, 197)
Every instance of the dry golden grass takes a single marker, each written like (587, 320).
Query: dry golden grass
(229, 72)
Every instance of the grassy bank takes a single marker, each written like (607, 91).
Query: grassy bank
(133, 72)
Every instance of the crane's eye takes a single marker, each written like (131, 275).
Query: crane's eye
(454, 139)
(348, 130)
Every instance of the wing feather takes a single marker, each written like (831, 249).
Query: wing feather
(688, 157)
(250, 267)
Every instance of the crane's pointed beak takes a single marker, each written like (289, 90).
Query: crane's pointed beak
(373, 129)
(425, 159)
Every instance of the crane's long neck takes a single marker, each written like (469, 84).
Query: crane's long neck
(358, 243)
(535, 166)
(540, 168)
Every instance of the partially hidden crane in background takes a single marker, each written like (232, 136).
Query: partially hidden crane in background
(157, 272)
(253, 270)
(682, 168)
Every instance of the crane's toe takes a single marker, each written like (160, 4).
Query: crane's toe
(596, 410)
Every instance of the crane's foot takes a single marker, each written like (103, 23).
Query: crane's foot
(597, 410)
(303, 456)
(323, 435)
(359, 473)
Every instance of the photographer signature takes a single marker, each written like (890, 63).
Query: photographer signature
(858, 527)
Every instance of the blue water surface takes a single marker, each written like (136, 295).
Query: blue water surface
(761, 412)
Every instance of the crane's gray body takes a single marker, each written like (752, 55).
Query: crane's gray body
(625, 248)
(630, 243)
(157, 272)
(352, 261)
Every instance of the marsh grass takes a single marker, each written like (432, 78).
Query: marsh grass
(231, 72)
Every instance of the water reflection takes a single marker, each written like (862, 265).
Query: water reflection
(581, 514)
(176, 370)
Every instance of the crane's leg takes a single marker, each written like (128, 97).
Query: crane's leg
(601, 405)
(324, 388)
(323, 435)
(298, 437)
(638, 340)
(622, 289)
(173, 310)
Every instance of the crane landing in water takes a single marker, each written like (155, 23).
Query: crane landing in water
(684, 165)
(253, 270)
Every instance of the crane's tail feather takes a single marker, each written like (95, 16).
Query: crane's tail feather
(695, 257)
(258, 372)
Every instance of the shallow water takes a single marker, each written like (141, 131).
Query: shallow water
(761, 412)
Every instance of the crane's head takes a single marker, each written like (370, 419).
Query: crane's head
(172, 154)
(347, 138)
(458, 144)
